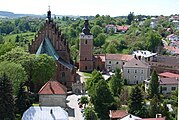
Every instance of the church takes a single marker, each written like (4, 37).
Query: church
(50, 41)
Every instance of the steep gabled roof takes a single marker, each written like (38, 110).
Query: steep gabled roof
(135, 63)
(46, 47)
(53, 87)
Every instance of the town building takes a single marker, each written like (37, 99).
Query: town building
(136, 71)
(116, 61)
(49, 40)
(45, 113)
(53, 93)
(166, 85)
(121, 115)
(145, 55)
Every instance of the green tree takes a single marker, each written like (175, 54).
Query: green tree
(6, 98)
(39, 68)
(90, 114)
(165, 111)
(130, 18)
(154, 85)
(15, 72)
(136, 101)
(100, 40)
(155, 107)
(153, 40)
(96, 30)
(23, 101)
(103, 99)
(84, 100)
(116, 83)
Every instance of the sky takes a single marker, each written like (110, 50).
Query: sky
(92, 7)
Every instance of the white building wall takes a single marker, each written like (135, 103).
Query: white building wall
(52, 100)
(168, 88)
(135, 75)
(111, 65)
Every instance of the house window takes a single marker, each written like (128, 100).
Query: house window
(135, 71)
(116, 62)
(85, 67)
(142, 71)
(85, 58)
(109, 62)
(164, 88)
(173, 88)
(86, 42)
(128, 71)
(135, 77)
(141, 78)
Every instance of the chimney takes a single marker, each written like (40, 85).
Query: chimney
(51, 112)
(158, 115)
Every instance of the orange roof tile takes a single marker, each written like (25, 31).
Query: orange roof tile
(169, 75)
(118, 113)
(53, 87)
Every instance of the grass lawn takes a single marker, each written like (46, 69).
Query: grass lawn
(28, 35)
(117, 36)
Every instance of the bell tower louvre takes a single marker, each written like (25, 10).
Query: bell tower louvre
(49, 40)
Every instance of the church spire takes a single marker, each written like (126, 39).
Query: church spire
(49, 14)
(86, 29)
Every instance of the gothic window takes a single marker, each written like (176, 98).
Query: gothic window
(86, 42)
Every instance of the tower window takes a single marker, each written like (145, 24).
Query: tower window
(63, 74)
(86, 42)
(85, 67)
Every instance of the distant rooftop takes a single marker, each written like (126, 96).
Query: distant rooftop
(143, 53)
(45, 113)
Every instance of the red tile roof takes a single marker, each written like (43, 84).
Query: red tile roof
(118, 113)
(123, 28)
(101, 56)
(169, 81)
(152, 118)
(169, 75)
(122, 57)
(53, 87)
(173, 49)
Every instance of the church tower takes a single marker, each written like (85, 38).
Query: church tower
(86, 49)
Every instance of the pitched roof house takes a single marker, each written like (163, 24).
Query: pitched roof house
(114, 61)
(53, 93)
(136, 71)
(166, 85)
